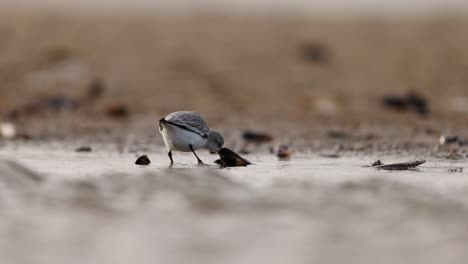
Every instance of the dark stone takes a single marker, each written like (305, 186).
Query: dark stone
(316, 53)
(117, 111)
(418, 103)
(143, 160)
(256, 137)
(395, 102)
(451, 140)
(410, 102)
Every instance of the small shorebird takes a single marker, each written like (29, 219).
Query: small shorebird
(187, 131)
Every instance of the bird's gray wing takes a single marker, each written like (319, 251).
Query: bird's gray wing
(189, 120)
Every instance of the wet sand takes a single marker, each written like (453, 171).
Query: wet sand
(99, 207)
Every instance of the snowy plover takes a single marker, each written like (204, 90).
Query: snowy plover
(187, 131)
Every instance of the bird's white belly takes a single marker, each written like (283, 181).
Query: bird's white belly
(180, 139)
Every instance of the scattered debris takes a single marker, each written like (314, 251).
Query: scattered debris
(430, 131)
(58, 103)
(315, 53)
(448, 140)
(117, 111)
(398, 166)
(284, 152)
(410, 102)
(376, 163)
(231, 159)
(84, 149)
(454, 155)
(7, 130)
(336, 134)
(456, 169)
(143, 160)
(44, 105)
(443, 140)
(256, 137)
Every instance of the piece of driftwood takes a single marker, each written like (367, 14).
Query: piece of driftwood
(400, 166)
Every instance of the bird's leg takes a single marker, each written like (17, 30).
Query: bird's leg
(170, 156)
(199, 160)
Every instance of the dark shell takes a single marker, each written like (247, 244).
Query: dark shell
(231, 159)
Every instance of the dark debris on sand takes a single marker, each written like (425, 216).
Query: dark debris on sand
(229, 158)
(410, 102)
(314, 52)
(84, 149)
(284, 152)
(118, 111)
(143, 161)
(397, 166)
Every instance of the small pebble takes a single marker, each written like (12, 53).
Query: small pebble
(284, 152)
(143, 160)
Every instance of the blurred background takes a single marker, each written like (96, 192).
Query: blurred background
(68, 68)
(337, 84)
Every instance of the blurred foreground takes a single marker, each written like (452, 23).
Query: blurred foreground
(100, 208)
